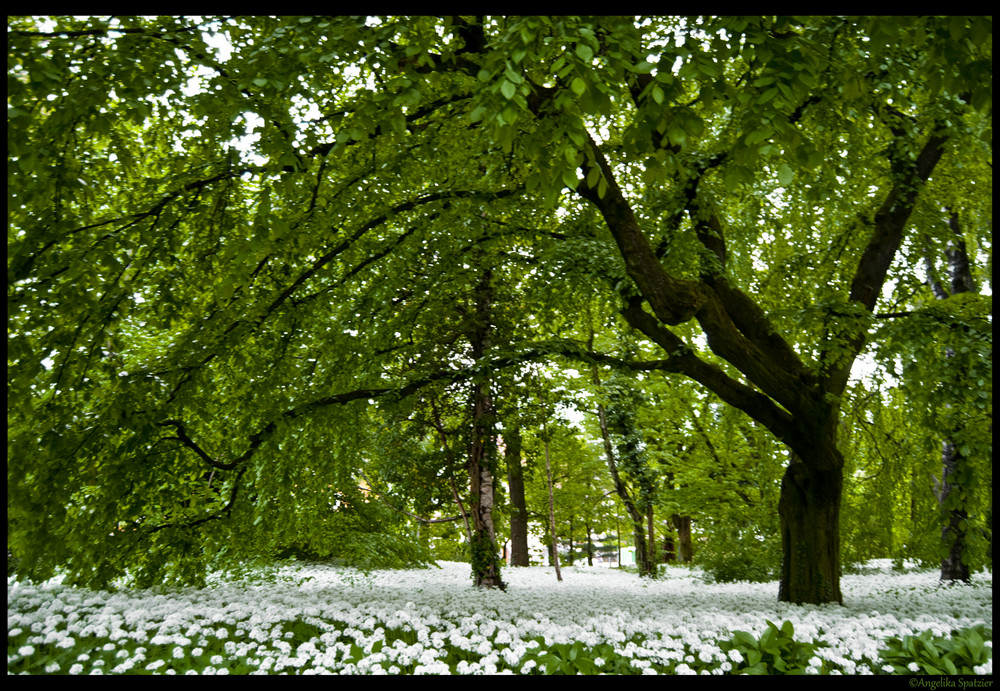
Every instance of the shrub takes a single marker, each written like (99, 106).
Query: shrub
(961, 653)
(775, 652)
(732, 554)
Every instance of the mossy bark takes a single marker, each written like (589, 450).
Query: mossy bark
(809, 508)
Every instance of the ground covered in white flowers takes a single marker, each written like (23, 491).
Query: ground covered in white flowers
(326, 619)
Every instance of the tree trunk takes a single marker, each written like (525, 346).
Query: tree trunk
(685, 550)
(482, 450)
(485, 555)
(590, 545)
(669, 549)
(552, 511)
(651, 550)
(569, 536)
(809, 508)
(638, 533)
(953, 532)
(518, 505)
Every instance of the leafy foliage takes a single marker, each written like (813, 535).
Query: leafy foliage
(241, 249)
(775, 652)
(926, 653)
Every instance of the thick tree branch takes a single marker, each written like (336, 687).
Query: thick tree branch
(889, 228)
(674, 301)
(683, 361)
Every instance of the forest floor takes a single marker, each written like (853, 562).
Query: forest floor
(319, 619)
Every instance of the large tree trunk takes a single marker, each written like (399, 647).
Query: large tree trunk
(518, 506)
(485, 555)
(482, 449)
(809, 509)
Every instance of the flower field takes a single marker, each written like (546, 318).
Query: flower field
(309, 619)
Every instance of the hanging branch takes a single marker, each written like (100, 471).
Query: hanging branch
(461, 507)
(371, 488)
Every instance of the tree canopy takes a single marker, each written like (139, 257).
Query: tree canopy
(247, 255)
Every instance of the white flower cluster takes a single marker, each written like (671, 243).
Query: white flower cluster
(678, 618)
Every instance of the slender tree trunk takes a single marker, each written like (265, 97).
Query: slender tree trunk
(569, 536)
(953, 532)
(618, 538)
(638, 533)
(518, 505)
(651, 551)
(552, 511)
(590, 545)
(809, 508)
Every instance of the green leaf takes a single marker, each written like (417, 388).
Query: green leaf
(508, 89)
(677, 135)
(767, 96)
(785, 174)
(477, 113)
(578, 86)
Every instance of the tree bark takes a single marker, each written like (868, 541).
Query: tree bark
(953, 532)
(809, 509)
(650, 535)
(685, 549)
(552, 511)
(590, 544)
(518, 505)
(669, 549)
(482, 449)
(572, 547)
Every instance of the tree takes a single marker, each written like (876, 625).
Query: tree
(955, 473)
(518, 507)
(630, 471)
(739, 187)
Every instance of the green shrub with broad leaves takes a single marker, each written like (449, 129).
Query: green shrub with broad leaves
(775, 652)
(926, 653)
